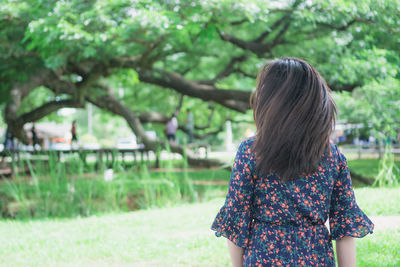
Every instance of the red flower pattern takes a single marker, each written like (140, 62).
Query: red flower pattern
(284, 224)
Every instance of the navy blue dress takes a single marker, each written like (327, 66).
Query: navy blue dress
(283, 224)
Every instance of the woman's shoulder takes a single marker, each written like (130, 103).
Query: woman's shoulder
(247, 144)
(245, 152)
(336, 158)
(335, 151)
(245, 148)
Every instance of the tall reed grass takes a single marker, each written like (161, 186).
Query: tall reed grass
(65, 187)
(389, 173)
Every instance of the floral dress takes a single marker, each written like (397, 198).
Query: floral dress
(283, 224)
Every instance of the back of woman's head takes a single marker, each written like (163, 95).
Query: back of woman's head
(294, 115)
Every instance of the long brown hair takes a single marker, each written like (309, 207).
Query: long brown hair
(294, 114)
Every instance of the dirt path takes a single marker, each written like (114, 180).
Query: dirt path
(215, 182)
(386, 222)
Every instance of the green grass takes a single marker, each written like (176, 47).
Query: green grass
(64, 188)
(366, 167)
(379, 201)
(67, 192)
(379, 249)
(176, 236)
(64, 191)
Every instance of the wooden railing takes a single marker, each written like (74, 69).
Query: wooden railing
(104, 157)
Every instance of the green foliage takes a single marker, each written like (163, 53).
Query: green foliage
(351, 44)
(365, 167)
(376, 105)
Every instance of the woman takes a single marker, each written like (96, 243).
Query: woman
(170, 128)
(288, 179)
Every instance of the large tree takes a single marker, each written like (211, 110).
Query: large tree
(84, 51)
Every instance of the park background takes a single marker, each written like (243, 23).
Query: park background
(124, 196)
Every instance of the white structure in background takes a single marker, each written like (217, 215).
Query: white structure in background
(127, 143)
(51, 135)
(342, 129)
(228, 141)
(108, 175)
(90, 118)
(2, 137)
(249, 133)
(131, 142)
(151, 135)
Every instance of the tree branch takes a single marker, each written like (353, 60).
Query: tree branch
(345, 26)
(239, 22)
(229, 68)
(278, 38)
(180, 103)
(234, 99)
(212, 108)
(324, 29)
(257, 46)
(109, 102)
(46, 109)
(344, 87)
(146, 60)
(245, 74)
(17, 93)
(156, 117)
(277, 23)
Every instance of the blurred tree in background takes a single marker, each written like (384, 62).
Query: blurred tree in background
(143, 60)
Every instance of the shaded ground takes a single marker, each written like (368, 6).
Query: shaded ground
(386, 222)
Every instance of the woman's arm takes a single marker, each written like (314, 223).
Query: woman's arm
(236, 254)
(346, 252)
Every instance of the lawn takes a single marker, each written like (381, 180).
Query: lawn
(379, 201)
(174, 236)
(90, 225)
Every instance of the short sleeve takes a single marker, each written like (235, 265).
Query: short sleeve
(345, 217)
(233, 221)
